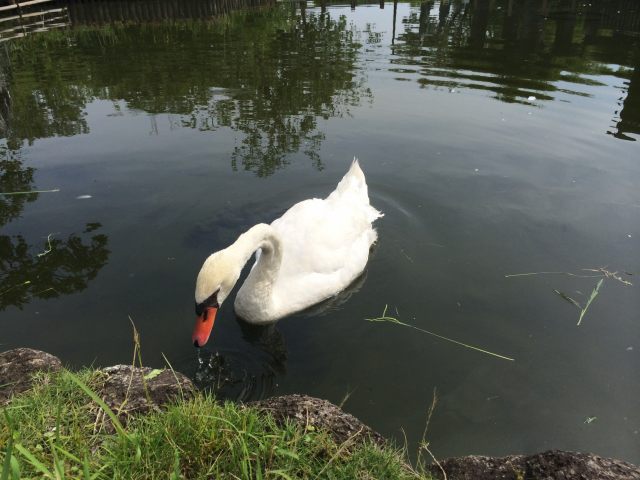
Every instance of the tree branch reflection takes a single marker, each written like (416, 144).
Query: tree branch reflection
(60, 267)
(271, 75)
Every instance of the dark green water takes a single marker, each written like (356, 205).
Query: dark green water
(497, 137)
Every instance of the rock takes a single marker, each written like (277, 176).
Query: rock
(17, 367)
(322, 414)
(550, 465)
(130, 390)
(148, 390)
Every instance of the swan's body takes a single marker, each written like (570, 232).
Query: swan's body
(312, 252)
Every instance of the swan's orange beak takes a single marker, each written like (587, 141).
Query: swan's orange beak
(203, 327)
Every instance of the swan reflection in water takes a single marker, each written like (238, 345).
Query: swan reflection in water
(252, 373)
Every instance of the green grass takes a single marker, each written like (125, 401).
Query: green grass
(51, 432)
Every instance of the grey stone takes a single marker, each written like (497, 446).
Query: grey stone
(321, 414)
(131, 390)
(17, 367)
(551, 465)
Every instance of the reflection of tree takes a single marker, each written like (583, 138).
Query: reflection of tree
(516, 48)
(479, 23)
(566, 18)
(14, 177)
(630, 109)
(270, 75)
(5, 97)
(61, 267)
(43, 103)
(622, 48)
(296, 83)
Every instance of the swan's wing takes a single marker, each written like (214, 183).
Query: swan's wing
(325, 243)
(320, 237)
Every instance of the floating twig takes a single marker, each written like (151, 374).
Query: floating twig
(385, 318)
(46, 290)
(30, 192)
(609, 274)
(601, 270)
(48, 250)
(594, 294)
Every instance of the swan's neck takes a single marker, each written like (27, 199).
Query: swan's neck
(255, 299)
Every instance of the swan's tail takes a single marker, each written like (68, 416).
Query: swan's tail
(353, 186)
(353, 181)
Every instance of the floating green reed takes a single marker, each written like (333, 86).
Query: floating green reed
(601, 272)
(583, 310)
(385, 318)
(594, 294)
(528, 274)
(30, 192)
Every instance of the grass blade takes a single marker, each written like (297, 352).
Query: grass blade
(153, 374)
(116, 422)
(594, 294)
(385, 318)
(178, 382)
(37, 464)
(15, 468)
(85, 469)
(280, 473)
(528, 274)
(6, 466)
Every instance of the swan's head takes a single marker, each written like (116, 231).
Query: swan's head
(216, 279)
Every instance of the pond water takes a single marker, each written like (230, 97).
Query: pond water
(498, 138)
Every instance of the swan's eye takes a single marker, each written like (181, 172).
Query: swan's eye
(212, 301)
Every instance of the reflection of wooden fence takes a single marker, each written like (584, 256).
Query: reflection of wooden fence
(100, 11)
(622, 15)
(20, 19)
(18, 5)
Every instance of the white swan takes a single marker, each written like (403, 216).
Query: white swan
(313, 251)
